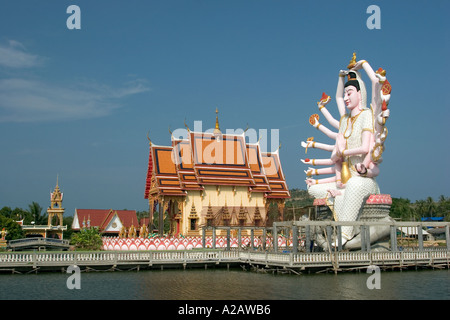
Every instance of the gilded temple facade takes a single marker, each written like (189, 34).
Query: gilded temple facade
(54, 227)
(214, 179)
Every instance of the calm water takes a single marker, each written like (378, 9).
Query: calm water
(222, 284)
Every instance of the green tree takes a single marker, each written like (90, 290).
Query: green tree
(12, 227)
(419, 208)
(87, 239)
(430, 206)
(6, 212)
(402, 209)
(443, 206)
(67, 221)
(35, 210)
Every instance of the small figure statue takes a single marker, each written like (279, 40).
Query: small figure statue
(4, 232)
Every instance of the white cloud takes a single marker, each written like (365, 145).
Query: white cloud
(26, 100)
(35, 101)
(14, 55)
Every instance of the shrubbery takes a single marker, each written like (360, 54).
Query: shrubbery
(87, 239)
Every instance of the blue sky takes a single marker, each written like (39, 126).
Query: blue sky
(79, 103)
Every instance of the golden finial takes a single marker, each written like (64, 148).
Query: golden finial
(148, 138)
(279, 147)
(186, 125)
(217, 119)
(217, 129)
(352, 62)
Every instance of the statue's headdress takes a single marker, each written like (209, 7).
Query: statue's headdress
(354, 79)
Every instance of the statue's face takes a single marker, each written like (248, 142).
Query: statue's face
(352, 97)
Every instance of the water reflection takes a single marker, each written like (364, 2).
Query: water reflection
(222, 284)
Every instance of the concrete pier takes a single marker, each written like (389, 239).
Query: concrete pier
(298, 255)
(18, 262)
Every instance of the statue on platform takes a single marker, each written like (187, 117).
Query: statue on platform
(4, 232)
(359, 144)
(143, 231)
(123, 232)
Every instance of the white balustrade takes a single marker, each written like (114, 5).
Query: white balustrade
(299, 259)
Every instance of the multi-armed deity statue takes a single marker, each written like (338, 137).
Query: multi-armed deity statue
(359, 143)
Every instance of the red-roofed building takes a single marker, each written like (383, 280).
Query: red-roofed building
(108, 221)
(214, 179)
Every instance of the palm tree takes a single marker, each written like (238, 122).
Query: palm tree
(443, 206)
(430, 206)
(34, 209)
(420, 208)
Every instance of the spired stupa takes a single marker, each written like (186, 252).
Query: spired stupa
(214, 179)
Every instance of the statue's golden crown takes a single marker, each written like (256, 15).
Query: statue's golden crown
(352, 62)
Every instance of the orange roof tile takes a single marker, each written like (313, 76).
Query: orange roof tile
(274, 173)
(201, 159)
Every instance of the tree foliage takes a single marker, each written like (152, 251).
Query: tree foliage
(12, 227)
(35, 211)
(405, 210)
(87, 239)
(16, 214)
(401, 208)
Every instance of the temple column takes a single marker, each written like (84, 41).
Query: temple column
(151, 208)
(160, 219)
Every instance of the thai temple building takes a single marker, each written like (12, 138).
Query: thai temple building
(54, 227)
(212, 179)
(121, 223)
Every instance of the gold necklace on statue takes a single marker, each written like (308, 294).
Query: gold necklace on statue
(352, 121)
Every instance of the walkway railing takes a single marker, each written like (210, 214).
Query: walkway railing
(38, 242)
(293, 260)
(304, 230)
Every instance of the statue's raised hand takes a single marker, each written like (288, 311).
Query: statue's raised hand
(343, 73)
(358, 65)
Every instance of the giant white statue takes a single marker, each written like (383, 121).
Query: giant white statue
(359, 143)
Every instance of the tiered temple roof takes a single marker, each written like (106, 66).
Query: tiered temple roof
(213, 159)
